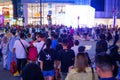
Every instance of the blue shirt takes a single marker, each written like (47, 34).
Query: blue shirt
(54, 44)
(112, 78)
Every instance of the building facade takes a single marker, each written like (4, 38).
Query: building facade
(6, 11)
(101, 17)
(54, 8)
(106, 16)
(28, 11)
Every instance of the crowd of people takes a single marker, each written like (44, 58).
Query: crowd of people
(54, 53)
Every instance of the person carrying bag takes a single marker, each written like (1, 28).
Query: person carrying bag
(13, 66)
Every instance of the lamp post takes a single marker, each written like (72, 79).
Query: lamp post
(114, 14)
(40, 13)
(78, 20)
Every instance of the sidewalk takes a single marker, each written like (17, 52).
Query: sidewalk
(5, 74)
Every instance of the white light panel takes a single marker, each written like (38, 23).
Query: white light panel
(85, 12)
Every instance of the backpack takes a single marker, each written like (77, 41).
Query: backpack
(32, 53)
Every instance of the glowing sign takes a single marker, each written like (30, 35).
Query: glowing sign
(86, 15)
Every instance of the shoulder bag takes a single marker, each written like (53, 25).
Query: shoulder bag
(24, 47)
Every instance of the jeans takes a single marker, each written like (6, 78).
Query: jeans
(21, 64)
(63, 75)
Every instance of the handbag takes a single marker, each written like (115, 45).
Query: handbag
(13, 66)
(24, 47)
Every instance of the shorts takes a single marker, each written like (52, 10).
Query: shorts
(48, 73)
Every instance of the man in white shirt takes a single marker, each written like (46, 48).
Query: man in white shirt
(20, 52)
(75, 47)
(40, 43)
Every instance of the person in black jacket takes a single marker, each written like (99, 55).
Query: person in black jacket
(66, 57)
(101, 45)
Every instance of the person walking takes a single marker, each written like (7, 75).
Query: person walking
(47, 57)
(66, 57)
(4, 47)
(116, 38)
(19, 49)
(10, 49)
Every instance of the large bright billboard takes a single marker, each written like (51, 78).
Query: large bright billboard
(79, 15)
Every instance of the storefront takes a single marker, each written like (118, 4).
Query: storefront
(6, 12)
(59, 13)
(55, 10)
(51, 11)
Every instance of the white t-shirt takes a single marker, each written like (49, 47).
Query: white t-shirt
(20, 51)
(75, 49)
(39, 45)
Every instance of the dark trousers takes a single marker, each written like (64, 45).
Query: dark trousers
(21, 64)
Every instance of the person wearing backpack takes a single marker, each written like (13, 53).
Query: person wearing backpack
(32, 53)
(39, 43)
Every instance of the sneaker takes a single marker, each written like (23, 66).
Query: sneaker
(16, 74)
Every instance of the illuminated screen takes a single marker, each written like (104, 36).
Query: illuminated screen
(82, 15)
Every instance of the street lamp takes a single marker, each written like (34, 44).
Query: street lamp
(40, 13)
(114, 14)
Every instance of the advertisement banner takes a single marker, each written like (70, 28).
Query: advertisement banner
(6, 12)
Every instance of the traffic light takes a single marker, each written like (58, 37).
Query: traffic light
(49, 17)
